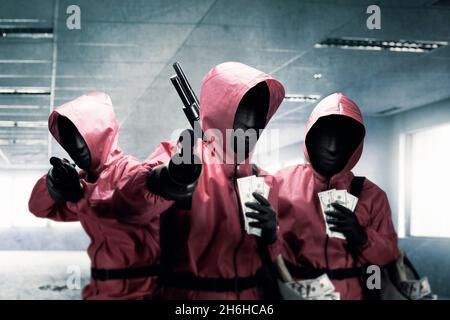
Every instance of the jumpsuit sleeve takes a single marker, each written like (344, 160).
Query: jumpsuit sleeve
(132, 202)
(382, 247)
(42, 205)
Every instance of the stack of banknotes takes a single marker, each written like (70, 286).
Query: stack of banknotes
(336, 196)
(320, 288)
(416, 289)
(246, 187)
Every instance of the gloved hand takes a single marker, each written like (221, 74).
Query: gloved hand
(160, 182)
(63, 181)
(177, 181)
(266, 216)
(345, 221)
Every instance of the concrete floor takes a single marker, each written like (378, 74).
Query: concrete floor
(42, 275)
(46, 275)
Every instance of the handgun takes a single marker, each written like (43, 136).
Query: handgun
(191, 105)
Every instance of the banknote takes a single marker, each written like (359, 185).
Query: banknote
(416, 289)
(320, 288)
(246, 187)
(342, 197)
(314, 288)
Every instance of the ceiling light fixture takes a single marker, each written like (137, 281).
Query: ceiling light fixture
(19, 107)
(301, 98)
(25, 90)
(23, 124)
(24, 142)
(30, 33)
(416, 46)
(388, 111)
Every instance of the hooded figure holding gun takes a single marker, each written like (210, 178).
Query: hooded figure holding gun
(123, 257)
(205, 251)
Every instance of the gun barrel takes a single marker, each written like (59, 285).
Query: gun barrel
(185, 84)
(56, 162)
(187, 95)
(191, 115)
(179, 88)
(191, 110)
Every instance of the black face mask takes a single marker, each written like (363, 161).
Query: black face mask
(331, 142)
(251, 117)
(73, 143)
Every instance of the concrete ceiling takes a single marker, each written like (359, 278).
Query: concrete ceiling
(126, 49)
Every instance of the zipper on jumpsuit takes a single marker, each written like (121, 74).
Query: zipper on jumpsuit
(327, 237)
(236, 291)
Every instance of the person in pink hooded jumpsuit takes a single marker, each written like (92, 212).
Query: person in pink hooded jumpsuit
(123, 257)
(333, 145)
(205, 251)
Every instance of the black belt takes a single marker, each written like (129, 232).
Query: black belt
(334, 274)
(188, 281)
(125, 273)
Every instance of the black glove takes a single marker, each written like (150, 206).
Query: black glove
(63, 181)
(266, 216)
(344, 220)
(160, 182)
(177, 181)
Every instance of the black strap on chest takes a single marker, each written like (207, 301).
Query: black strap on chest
(255, 169)
(356, 186)
(333, 274)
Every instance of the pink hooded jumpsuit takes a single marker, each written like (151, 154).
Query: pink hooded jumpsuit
(114, 245)
(300, 216)
(208, 243)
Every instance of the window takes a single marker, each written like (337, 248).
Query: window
(427, 182)
(15, 190)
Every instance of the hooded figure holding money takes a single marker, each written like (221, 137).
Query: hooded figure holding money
(208, 251)
(123, 257)
(325, 228)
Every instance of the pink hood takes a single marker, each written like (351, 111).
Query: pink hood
(336, 104)
(100, 129)
(222, 90)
